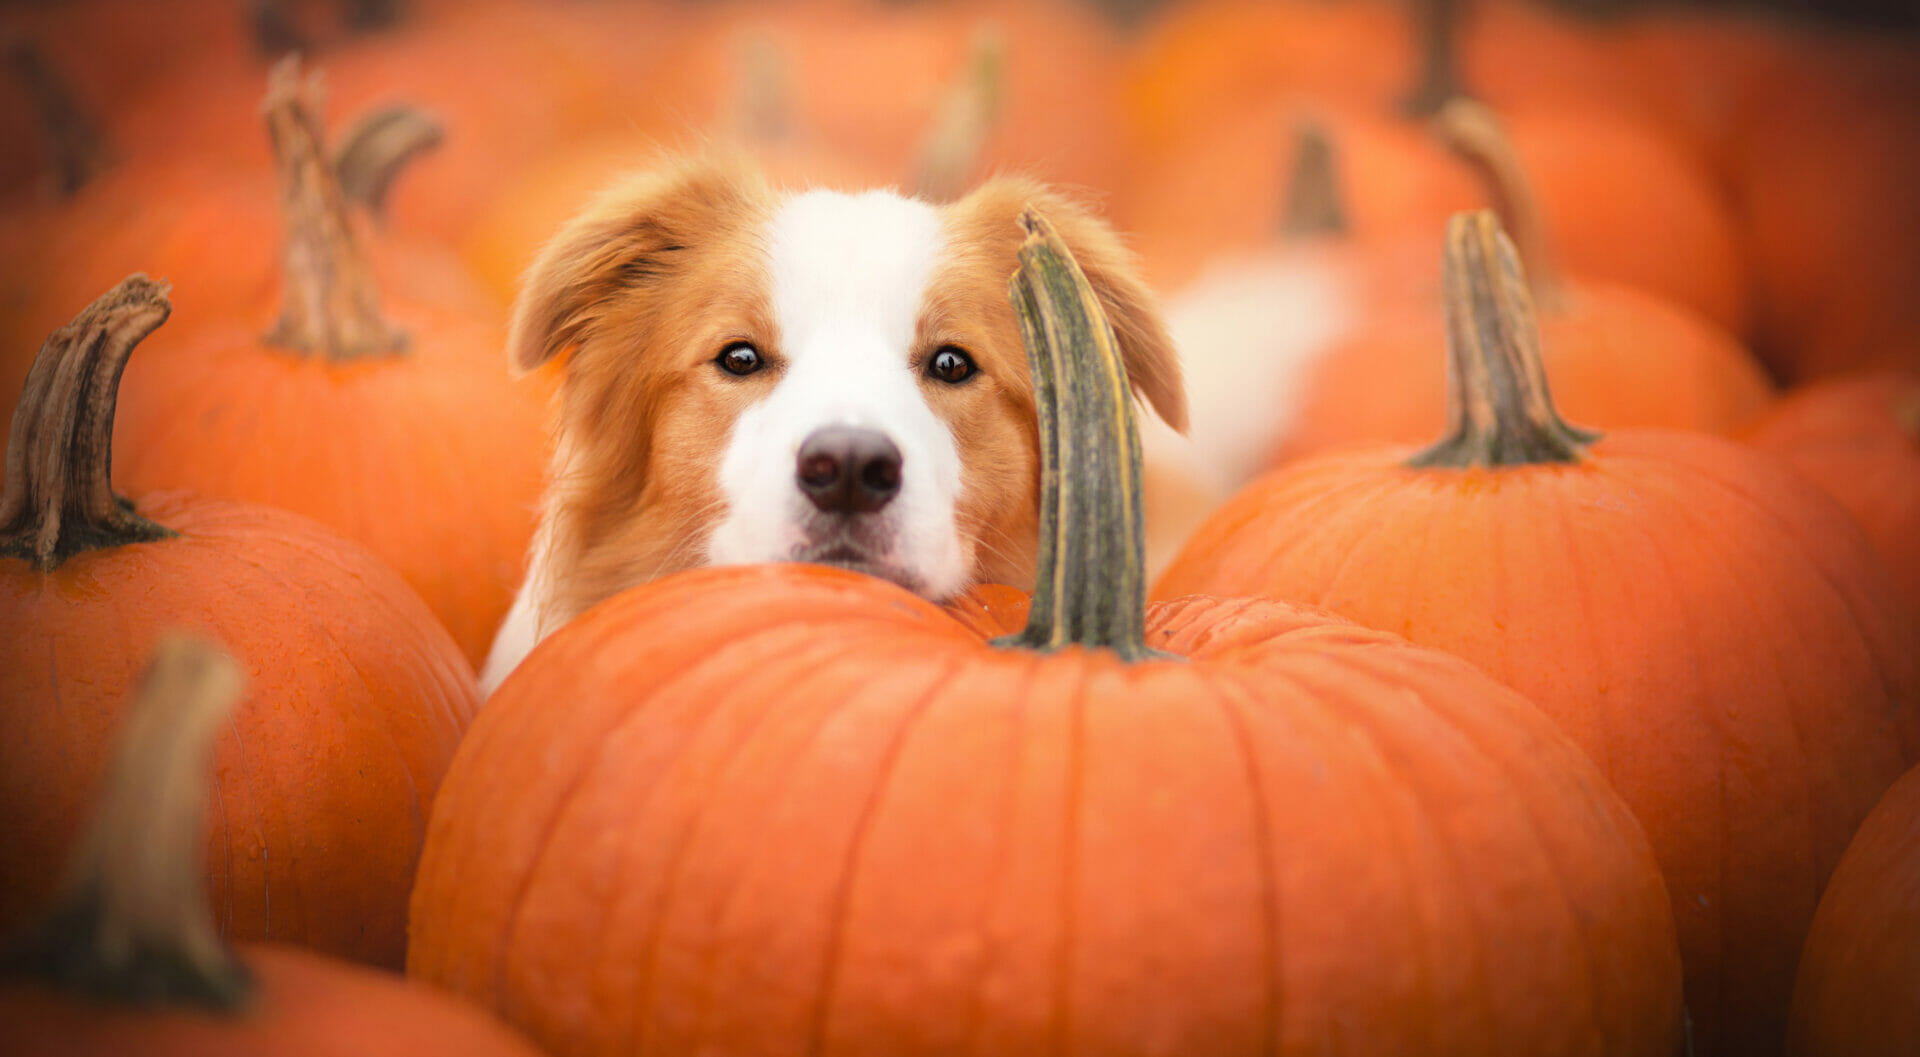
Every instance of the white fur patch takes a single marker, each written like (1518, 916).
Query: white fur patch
(849, 275)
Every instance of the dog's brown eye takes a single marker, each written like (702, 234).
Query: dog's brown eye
(951, 365)
(739, 358)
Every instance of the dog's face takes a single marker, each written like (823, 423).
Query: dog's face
(814, 376)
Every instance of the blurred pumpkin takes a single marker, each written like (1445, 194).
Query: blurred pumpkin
(1858, 992)
(415, 443)
(1715, 632)
(1857, 436)
(357, 694)
(129, 958)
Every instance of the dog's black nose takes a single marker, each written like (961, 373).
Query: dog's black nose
(848, 470)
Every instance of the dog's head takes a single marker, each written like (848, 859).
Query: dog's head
(813, 376)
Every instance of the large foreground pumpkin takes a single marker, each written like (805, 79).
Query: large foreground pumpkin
(356, 694)
(794, 809)
(1716, 632)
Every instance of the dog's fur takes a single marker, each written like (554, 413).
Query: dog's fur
(665, 461)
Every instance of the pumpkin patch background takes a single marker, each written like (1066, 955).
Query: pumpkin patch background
(1716, 206)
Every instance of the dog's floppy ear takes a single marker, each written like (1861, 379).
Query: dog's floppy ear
(1153, 366)
(630, 236)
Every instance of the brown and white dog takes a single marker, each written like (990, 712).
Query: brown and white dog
(818, 376)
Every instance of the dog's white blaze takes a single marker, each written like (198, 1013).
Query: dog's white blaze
(849, 275)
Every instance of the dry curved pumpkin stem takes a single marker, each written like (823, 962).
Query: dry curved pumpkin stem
(331, 306)
(967, 116)
(58, 498)
(76, 149)
(1499, 412)
(378, 148)
(1091, 587)
(1313, 207)
(133, 922)
(1435, 23)
(1474, 133)
(763, 110)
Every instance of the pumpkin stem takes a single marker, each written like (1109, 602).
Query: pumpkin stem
(58, 500)
(763, 113)
(331, 306)
(1091, 586)
(133, 922)
(965, 119)
(1474, 133)
(1499, 412)
(378, 148)
(1313, 207)
(76, 149)
(1435, 25)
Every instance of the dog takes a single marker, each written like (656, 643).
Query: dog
(762, 375)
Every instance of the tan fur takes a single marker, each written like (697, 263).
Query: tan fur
(662, 271)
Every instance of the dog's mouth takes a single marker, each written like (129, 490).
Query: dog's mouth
(846, 553)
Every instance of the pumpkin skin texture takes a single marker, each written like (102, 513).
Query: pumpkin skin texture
(324, 779)
(406, 435)
(791, 808)
(1858, 437)
(126, 960)
(794, 806)
(1858, 994)
(1717, 634)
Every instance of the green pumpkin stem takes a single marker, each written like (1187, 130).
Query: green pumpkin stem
(1313, 207)
(133, 923)
(378, 148)
(331, 305)
(1499, 412)
(1436, 22)
(1091, 586)
(57, 499)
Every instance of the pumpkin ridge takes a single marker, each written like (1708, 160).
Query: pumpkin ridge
(1791, 716)
(1380, 732)
(1404, 812)
(1357, 539)
(565, 805)
(1598, 739)
(760, 712)
(1817, 561)
(1003, 856)
(1232, 710)
(1065, 961)
(1713, 712)
(841, 911)
(357, 718)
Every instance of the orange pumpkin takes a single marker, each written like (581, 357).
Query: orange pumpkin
(1716, 633)
(415, 443)
(1858, 993)
(1617, 355)
(1858, 437)
(357, 694)
(795, 808)
(129, 960)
